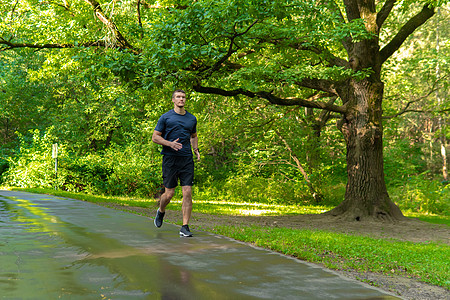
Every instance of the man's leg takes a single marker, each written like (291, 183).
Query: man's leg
(163, 201)
(165, 198)
(186, 206)
(169, 179)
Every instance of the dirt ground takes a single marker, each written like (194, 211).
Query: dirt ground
(408, 230)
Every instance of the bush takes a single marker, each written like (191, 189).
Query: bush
(4, 166)
(88, 174)
(33, 165)
(136, 170)
(402, 160)
(133, 169)
(421, 194)
(121, 170)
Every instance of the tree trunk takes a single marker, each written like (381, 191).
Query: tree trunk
(441, 123)
(366, 194)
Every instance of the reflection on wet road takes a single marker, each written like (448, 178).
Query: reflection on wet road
(53, 247)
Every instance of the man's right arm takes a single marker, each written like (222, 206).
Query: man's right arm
(158, 139)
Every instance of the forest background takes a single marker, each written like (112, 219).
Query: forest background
(100, 103)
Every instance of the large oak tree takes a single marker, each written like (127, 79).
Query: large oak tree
(319, 54)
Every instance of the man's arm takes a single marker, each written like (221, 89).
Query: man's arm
(194, 143)
(158, 139)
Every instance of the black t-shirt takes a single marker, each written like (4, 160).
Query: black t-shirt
(174, 126)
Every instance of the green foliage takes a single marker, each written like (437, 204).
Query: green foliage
(33, 165)
(88, 174)
(416, 80)
(402, 160)
(184, 45)
(127, 170)
(121, 170)
(22, 105)
(136, 170)
(422, 194)
(244, 145)
(4, 165)
(256, 190)
(430, 218)
(94, 105)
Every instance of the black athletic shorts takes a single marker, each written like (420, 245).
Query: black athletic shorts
(177, 167)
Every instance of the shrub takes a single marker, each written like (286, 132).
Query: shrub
(33, 165)
(136, 169)
(4, 166)
(421, 194)
(88, 174)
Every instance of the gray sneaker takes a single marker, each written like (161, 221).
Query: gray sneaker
(185, 232)
(159, 218)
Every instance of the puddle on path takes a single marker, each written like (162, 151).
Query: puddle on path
(54, 248)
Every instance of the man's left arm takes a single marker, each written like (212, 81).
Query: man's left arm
(194, 143)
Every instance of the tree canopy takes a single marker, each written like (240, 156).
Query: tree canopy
(321, 55)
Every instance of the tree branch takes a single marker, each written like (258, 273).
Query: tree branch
(10, 45)
(405, 109)
(13, 9)
(318, 84)
(325, 115)
(384, 12)
(310, 102)
(138, 8)
(352, 9)
(346, 41)
(304, 46)
(317, 196)
(222, 92)
(65, 5)
(230, 51)
(406, 31)
(121, 41)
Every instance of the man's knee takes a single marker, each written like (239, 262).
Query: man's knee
(169, 193)
(187, 191)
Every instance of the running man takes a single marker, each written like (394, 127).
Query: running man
(176, 131)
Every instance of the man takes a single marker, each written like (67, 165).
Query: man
(176, 131)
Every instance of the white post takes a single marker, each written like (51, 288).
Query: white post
(55, 156)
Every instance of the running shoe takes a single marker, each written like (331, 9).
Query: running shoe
(159, 218)
(185, 232)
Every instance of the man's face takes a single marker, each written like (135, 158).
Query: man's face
(179, 99)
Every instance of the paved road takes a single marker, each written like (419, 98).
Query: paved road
(59, 248)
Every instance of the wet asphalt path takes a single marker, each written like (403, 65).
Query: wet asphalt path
(59, 248)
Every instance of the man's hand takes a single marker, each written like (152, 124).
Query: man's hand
(197, 153)
(194, 143)
(157, 138)
(175, 145)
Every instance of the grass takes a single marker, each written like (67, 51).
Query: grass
(430, 218)
(125, 201)
(425, 262)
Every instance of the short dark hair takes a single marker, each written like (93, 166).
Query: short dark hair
(178, 91)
